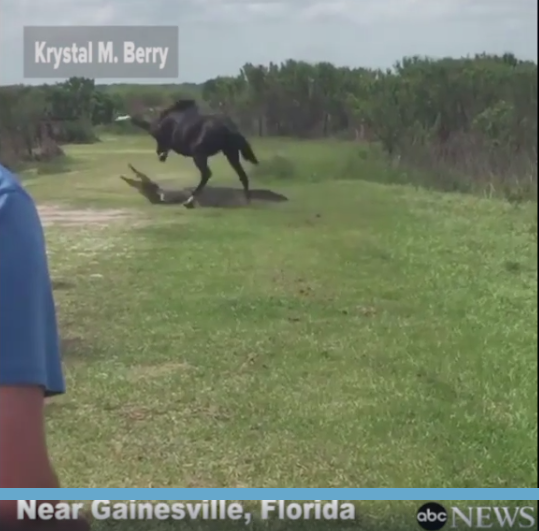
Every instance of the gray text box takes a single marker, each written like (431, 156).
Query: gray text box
(101, 51)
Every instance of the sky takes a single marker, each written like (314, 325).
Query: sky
(217, 37)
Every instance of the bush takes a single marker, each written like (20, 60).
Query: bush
(57, 165)
(119, 129)
(76, 132)
(277, 167)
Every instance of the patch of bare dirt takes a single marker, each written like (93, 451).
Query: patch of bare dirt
(55, 215)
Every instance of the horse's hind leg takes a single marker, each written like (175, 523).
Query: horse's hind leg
(233, 158)
(205, 174)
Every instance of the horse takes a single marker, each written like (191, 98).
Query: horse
(183, 129)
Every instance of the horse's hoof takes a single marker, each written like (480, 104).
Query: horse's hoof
(189, 204)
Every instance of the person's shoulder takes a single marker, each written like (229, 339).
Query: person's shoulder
(11, 188)
(9, 182)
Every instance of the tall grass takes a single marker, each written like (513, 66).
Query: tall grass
(458, 168)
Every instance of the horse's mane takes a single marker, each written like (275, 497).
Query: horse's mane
(178, 106)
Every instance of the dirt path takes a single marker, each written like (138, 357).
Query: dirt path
(55, 215)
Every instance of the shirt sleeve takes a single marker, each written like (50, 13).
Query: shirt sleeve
(29, 343)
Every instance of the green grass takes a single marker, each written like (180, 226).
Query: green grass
(361, 335)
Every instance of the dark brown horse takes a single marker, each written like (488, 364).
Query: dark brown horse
(182, 128)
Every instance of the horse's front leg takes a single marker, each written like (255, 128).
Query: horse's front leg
(162, 151)
(205, 174)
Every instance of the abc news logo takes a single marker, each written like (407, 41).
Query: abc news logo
(433, 516)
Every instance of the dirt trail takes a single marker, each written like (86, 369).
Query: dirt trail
(55, 215)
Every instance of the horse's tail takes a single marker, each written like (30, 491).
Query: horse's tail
(246, 150)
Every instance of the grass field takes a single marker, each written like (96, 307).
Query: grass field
(360, 335)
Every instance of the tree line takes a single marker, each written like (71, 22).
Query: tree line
(476, 115)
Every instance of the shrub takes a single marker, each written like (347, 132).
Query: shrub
(276, 167)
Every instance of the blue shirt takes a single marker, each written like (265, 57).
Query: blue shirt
(29, 343)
